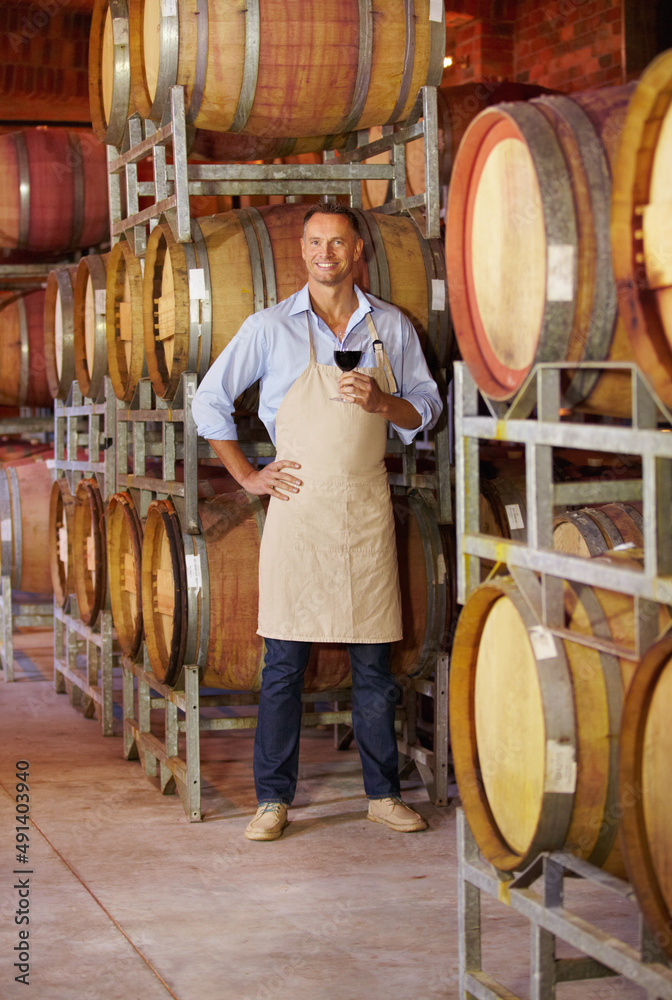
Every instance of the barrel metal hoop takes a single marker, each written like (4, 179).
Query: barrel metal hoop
(194, 310)
(98, 279)
(381, 257)
(364, 59)
(169, 51)
(203, 262)
(286, 147)
(67, 295)
(437, 332)
(369, 253)
(437, 50)
(6, 534)
(121, 83)
(436, 585)
(198, 603)
(23, 168)
(559, 221)
(78, 190)
(556, 690)
(17, 531)
(255, 259)
(24, 362)
(604, 311)
(409, 61)
(248, 87)
(268, 260)
(611, 674)
(201, 66)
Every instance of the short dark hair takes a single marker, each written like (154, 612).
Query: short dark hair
(329, 208)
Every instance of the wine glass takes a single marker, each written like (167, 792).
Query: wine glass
(347, 361)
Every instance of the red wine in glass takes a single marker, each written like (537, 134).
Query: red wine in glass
(346, 361)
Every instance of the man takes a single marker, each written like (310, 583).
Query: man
(328, 564)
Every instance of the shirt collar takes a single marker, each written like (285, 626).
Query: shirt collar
(302, 304)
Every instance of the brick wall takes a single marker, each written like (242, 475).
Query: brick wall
(566, 45)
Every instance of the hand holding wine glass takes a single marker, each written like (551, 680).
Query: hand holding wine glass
(347, 361)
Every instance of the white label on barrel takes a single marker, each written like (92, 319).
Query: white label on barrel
(436, 10)
(623, 546)
(560, 768)
(63, 544)
(169, 8)
(514, 515)
(438, 294)
(194, 579)
(560, 277)
(120, 30)
(543, 643)
(6, 529)
(100, 301)
(197, 284)
(49, 463)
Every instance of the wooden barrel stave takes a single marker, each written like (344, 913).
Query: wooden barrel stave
(61, 530)
(529, 202)
(89, 324)
(89, 551)
(23, 378)
(54, 195)
(258, 96)
(25, 491)
(123, 321)
(225, 643)
(558, 798)
(59, 331)
(124, 561)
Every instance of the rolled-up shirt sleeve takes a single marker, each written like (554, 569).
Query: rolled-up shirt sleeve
(239, 365)
(417, 384)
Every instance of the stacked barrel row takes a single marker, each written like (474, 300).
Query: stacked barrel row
(558, 249)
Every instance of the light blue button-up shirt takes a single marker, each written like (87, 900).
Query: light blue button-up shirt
(272, 346)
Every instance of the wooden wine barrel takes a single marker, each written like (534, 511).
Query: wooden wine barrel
(59, 351)
(25, 491)
(641, 225)
(124, 555)
(645, 753)
(595, 530)
(123, 321)
(527, 245)
(214, 577)
(356, 69)
(235, 279)
(456, 107)
(61, 529)
(54, 192)
(533, 723)
(23, 377)
(89, 324)
(503, 506)
(89, 551)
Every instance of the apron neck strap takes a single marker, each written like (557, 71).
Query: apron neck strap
(310, 339)
(382, 360)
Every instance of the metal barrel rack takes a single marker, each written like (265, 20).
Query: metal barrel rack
(169, 191)
(15, 612)
(91, 685)
(534, 419)
(602, 954)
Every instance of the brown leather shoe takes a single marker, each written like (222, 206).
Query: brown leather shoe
(269, 822)
(395, 814)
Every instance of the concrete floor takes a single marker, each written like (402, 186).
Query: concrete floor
(129, 901)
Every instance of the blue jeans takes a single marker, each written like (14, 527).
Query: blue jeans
(374, 699)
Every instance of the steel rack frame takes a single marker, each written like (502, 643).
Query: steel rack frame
(433, 765)
(182, 705)
(174, 183)
(536, 558)
(93, 685)
(551, 921)
(18, 614)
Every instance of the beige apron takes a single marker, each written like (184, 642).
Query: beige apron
(328, 561)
